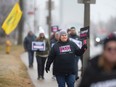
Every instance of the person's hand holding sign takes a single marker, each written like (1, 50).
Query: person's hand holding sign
(85, 45)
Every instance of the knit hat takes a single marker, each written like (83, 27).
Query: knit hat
(111, 37)
(62, 33)
(41, 30)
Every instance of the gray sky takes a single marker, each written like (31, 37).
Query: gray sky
(66, 13)
(72, 14)
(103, 10)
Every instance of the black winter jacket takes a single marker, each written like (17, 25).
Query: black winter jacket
(28, 42)
(63, 57)
(94, 76)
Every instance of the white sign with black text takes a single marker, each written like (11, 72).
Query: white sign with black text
(38, 46)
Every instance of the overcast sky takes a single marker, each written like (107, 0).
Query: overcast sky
(72, 14)
(103, 10)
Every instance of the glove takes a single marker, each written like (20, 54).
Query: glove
(38, 50)
(84, 47)
(47, 69)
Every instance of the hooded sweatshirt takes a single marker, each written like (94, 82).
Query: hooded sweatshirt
(63, 57)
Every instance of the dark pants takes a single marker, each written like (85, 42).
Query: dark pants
(77, 60)
(40, 65)
(68, 79)
(31, 57)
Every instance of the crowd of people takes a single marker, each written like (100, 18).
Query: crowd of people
(62, 50)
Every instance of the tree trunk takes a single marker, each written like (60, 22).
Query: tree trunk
(20, 26)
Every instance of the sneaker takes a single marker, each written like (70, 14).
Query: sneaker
(42, 78)
(38, 78)
(30, 66)
(54, 78)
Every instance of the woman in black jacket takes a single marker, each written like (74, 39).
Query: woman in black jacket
(101, 71)
(41, 56)
(62, 56)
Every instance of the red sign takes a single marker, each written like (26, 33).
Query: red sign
(54, 29)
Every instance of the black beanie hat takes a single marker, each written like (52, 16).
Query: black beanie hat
(111, 37)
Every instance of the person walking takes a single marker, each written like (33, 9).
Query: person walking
(73, 33)
(55, 40)
(62, 56)
(101, 70)
(68, 32)
(41, 55)
(76, 39)
(28, 47)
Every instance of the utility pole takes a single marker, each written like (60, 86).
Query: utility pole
(86, 3)
(86, 55)
(49, 17)
(86, 14)
(20, 26)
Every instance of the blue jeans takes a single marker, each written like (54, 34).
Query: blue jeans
(31, 57)
(68, 79)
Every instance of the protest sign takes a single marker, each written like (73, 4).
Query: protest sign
(38, 46)
(84, 33)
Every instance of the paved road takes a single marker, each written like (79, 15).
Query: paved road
(48, 82)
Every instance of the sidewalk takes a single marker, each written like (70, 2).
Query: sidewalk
(48, 82)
